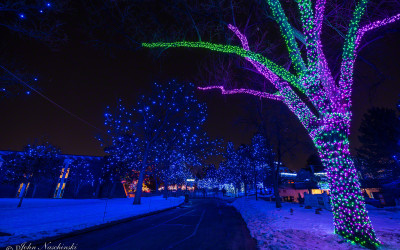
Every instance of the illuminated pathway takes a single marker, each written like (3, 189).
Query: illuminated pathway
(204, 224)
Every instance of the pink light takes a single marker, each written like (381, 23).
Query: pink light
(375, 25)
(244, 91)
(268, 74)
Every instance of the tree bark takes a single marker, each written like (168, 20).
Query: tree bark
(34, 191)
(165, 193)
(350, 216)
(139, 187)
(77, 190)
(276, 187)
(276, 174)
(255, 181)
(155, 179)
(22, 196)
(97, 192)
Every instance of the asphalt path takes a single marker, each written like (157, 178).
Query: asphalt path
(201, 224)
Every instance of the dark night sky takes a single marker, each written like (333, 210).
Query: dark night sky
(85, 80)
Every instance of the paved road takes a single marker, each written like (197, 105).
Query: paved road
(202, 224)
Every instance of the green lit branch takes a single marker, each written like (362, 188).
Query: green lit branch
(278, 70)
(287, 33)
(348, 49)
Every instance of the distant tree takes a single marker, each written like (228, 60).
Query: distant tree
(260, 154)
(211, 179)
(314, 163)
(379, 137)
(34, 165)
(80, 174)
(236, 169)
(191, 149)
(120, 146)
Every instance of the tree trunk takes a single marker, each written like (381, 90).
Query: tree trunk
(139, 187)
(34, 191)
(112, 191)
(350, 216)
(276, 175)
(165, 195)
(276, 187)
(77, 190)
(97, 192)
(22, 196)
(155, 179)
(255, 181)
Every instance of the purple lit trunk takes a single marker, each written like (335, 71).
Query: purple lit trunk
(351, 219)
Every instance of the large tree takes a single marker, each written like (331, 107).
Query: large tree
(320, 100)
(167, 116)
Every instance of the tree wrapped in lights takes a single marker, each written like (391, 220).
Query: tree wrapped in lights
(80, 174)
(122, 150)
(311, 92)
(260, 154)
(236, 169)
(169, 164)
(211, 179)
(36, 164)
(166, 117)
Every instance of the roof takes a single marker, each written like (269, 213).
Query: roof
(65, 156)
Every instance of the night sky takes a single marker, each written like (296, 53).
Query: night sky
(85, 80)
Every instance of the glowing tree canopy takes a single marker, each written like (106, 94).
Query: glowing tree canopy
(326, 114)
(155, 131)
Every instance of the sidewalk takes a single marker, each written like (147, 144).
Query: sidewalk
(42, 218)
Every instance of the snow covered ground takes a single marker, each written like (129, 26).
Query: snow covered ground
(39, 218)
(278, 229)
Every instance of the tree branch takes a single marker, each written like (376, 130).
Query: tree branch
(348, 56)
(276, 69)
(287, 33)
(244, 91)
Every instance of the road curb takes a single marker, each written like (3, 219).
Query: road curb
(40, 242)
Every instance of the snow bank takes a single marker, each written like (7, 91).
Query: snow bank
(304, 229)
(39, 218)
